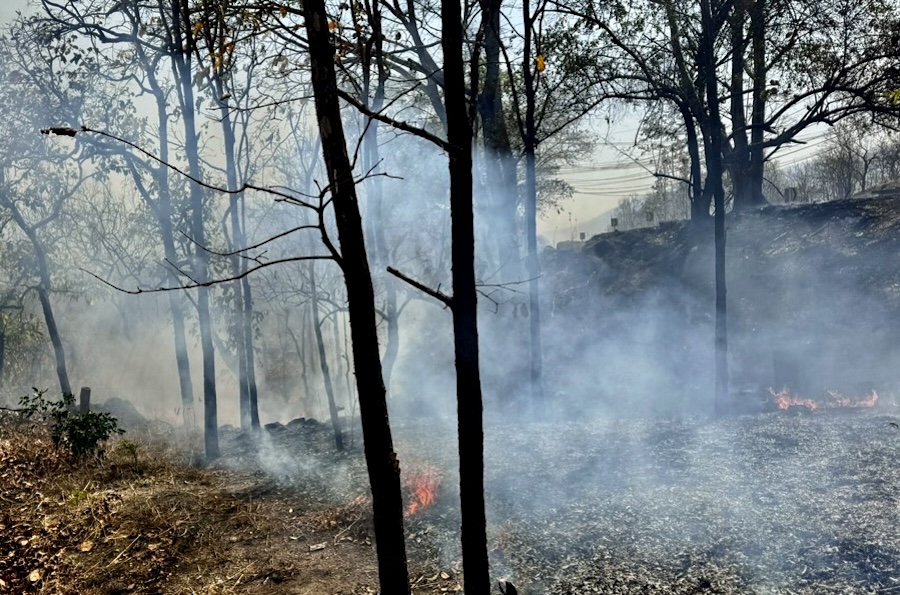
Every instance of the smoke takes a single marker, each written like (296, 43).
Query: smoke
(619, 449)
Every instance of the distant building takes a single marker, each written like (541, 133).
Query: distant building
(572, 245)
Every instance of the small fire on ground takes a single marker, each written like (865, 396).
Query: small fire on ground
(784, 399)
(422, 487)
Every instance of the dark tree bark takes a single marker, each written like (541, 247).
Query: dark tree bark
(181, 59)
(381, 460)
(500, 164)
(43, 288)
(714, 173)
(534, 264)
(55, 339)
(249, 353)
(699, 199)
(739, 158)
(464, 306)
(323, 359)
(746, 159)
(758, 108)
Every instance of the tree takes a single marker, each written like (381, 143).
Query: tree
(162, 206)
(216, 32)
(181, 49)
(381, 460)
(168, 25)
(464, 305)
(681, 59)
(41, 75)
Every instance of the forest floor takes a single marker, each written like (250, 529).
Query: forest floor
(779, 502)
(147, 519)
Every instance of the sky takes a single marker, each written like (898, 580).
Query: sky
(605, 178)
(8, 9)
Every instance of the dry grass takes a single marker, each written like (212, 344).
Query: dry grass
(146, 521)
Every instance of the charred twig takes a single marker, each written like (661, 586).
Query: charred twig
(345, 529)
(435, 293)
(60, 131)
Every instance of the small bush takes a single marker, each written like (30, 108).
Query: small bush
(81, 434)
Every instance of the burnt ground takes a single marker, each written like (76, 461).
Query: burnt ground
(814, 289)
(768, 503)
(775, 503)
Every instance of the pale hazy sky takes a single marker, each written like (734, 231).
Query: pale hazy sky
(8, 9)
(600, 180)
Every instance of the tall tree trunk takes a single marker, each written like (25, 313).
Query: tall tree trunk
(714, 173)
(163, 209)
(758, 109)
(739, 159)
(43, 290)
(181, 57)
(249, 353)
(381, 460)
(58, 351)
(534, 264)
(699, 200)
(465, 307)
(323, 359)
(500, 164)
(747, 164)
(237, 242)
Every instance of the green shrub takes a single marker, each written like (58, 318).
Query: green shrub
(81, 434)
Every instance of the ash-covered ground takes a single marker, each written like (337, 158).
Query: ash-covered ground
(779, 502)
(771, 503)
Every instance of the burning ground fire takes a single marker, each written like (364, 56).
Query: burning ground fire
(784, 399)
(423, 487)
(420, 485)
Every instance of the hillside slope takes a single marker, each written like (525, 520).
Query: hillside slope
(813, 296)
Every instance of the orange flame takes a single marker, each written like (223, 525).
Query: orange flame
(423, 486)
(784, 399)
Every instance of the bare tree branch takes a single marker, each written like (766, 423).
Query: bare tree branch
(436, 294)
(414, 130)
(195, 284)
